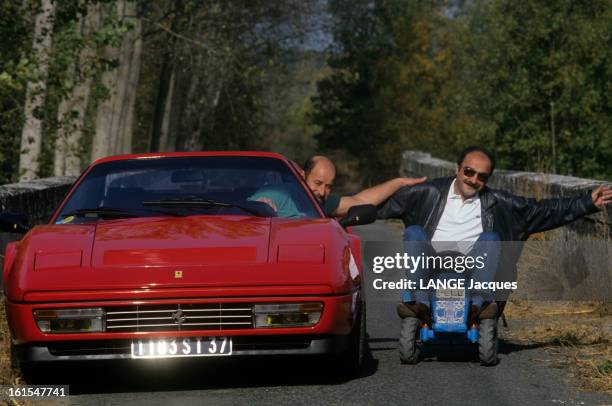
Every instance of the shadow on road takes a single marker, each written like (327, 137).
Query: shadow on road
(197, 374)
(507, 347)
(456, 352)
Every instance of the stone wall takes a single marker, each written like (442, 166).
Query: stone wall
(36, 199)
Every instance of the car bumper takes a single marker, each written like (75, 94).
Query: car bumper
(121, 349)
(328, 336)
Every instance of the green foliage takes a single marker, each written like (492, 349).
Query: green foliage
(287, 93)
(345, 106)
(434, 76)
(19, 65)
(605, 367)
(15, 69)
(542, 69)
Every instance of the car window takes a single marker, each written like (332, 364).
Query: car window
(135, 185)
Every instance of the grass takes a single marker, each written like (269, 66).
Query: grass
(8, 375)
(581, 331)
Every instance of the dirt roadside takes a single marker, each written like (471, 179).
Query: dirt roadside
(577, 335)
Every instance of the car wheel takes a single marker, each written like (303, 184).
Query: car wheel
(409, 347)
(352, 360)
(27, 370)
(488, 342)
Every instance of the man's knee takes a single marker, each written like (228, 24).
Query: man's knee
(415, 233)
(489, 236)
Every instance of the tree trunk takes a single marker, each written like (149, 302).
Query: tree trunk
(114, 118)
(133, 59)
(68, 145)
(205, 82)
(163, 95)
(104, 112)
(165, 91)
(165, 143)
(31, 135)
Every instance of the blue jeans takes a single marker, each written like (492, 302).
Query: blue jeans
(416, 243)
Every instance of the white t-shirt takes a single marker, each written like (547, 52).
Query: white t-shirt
(460, 224)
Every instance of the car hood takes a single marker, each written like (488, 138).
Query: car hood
(183, 241)
(183, 252)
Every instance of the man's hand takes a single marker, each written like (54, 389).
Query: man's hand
(602, 196)
(411, 181)
(269, 202)
(376, 194)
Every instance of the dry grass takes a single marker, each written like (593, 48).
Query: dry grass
(8, 375)
(582, 331)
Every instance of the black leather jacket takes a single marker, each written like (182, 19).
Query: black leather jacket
(512, 217)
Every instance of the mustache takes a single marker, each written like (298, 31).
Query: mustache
(472, 185)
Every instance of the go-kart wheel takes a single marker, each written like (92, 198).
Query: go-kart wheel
(409, 348)
(487, 342)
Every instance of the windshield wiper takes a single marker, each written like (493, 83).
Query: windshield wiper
(195, 202)
(102, 212)
(113, 212)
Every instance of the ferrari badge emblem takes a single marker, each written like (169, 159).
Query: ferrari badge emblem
(178, 274)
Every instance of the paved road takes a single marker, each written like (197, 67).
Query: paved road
(521, 378)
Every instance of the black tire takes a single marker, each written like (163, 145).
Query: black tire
(409, 347)
(488, 342)
(31, 372)
(14, 358)
(352, 361)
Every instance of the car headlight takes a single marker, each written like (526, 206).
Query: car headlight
(287, 314)
(70, 320)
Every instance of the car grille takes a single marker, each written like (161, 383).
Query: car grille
(179, 317)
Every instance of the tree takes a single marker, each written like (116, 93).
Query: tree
(529, 80)
(115, 114)
(201, 86)
(541, 74)
(72, 108)
(31, 136)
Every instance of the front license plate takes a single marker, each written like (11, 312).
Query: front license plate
(182, 347)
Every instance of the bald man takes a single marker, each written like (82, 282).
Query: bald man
(320, 173)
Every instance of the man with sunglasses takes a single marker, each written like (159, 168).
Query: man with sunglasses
(462, 214)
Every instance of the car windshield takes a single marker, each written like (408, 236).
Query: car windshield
(183, 186)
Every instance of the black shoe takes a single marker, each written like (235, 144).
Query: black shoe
(489, 311)
(477, 313)
(414, 309)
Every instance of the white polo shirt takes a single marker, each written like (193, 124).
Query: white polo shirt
(460, 224)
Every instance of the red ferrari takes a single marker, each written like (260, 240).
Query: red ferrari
(177, 255)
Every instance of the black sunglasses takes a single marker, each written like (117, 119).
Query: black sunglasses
(469, 172)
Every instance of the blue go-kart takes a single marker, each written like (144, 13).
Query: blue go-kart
(450, 316)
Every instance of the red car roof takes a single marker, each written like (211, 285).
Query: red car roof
(197, 153)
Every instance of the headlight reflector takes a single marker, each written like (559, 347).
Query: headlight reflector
(89, 320)
(287, 314)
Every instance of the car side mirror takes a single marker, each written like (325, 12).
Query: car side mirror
(14, 223)
(359, 215)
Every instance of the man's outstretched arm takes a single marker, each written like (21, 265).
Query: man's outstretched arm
(551, 213)
(375, 195)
